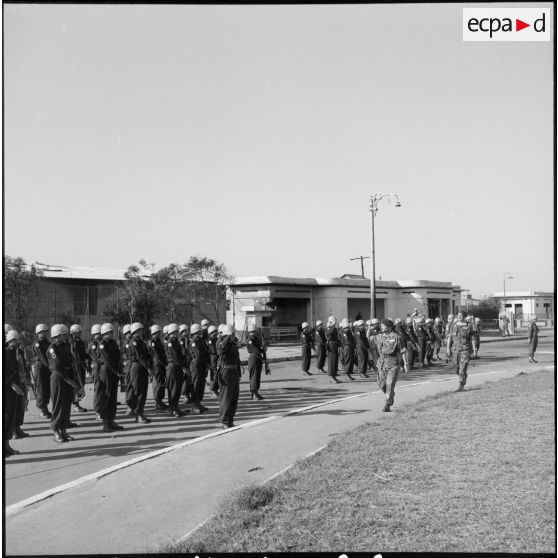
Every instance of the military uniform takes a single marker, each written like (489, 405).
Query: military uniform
(412, 345)
(256, 356)
(81, 362)
(362, 347)
(430, 342)
(475, 338)
(158, 355)
(321, 352)
(41, 376)
(174, 373)
(422, 340)
(199, 355)
(372, 347)
(61, 388)
(439, 334)
(448, 332)
(22, 400)
(347, 351)
(139, 373)
(131, 400)
(332, 338)
(461, 347)
(229, 379)
(93, 352)
(306, 342)
(212, 348)
(109, 356)
(389, 350)
(184, 342)
(11, 374)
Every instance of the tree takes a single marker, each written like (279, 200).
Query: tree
(20, 283)
(169, 282)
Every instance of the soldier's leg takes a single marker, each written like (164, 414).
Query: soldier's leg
(57, 419)
(226, 396)
(382, 379)
(463, 364)
(391, 379)
(40, 401)
(141, 387)
(8, 418)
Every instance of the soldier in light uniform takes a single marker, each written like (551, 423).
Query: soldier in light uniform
(347, 349)
(159, 359)
(175, 369)
(306, 342)
(93, 352)
(41, 371)
(228, 376)
(332, 338)
(81, 363)
(320, 342)
(256, 357)
(533, 335)
(461, 347)
(362, 347)
(389, 350)
(140, 365)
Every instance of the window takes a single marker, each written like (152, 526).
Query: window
(85, 300)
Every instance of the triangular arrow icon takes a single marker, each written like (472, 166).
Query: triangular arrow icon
(519, 25)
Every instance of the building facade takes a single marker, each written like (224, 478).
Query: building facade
(528, 305)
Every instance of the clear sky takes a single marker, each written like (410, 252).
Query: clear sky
(255, 135)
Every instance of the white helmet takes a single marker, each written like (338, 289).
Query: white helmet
(360, 323)
(437, 320)
(7, 327)
(409, 321)
(374, 321)
(172, 328)
(106, 328)
(451, 316)
(477, 320)
(195, 328)
(305, 325)
(165, 328)
(57, 329)
(96, 328)
(211, 329)
(183, 327)
(75, 328)
(251, 327)
(155, 329)
(12, 334)
(428, 320)
(220, 328)
(136, 326)
(204, 322)
(319, 323)
(126, 328)
(228, 329)
(40, 328)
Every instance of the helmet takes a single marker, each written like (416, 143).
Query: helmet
(12, 334)
(136, 326)
(75, 328)
(251, 327)
(319, 323)
(437, 320)
(220, 328)
(368, 322)
(211, 329)
(409, 321)
(7, 327)
(96, 328)
(228, 329)
(397, 320)
(38, 329)
(305, 325)
(183, 327)
(428, 320)
(106, 328)
(451, 316)
(172, 328)
(195, 328)
(204, 322)
(57, 329)
(477, 320)
(155, 329)
(165, 328)
(126, 328)
(374, 321)
(360, 323)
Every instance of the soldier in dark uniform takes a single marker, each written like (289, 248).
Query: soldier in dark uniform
(205, 329)
(109, 356)
(399, 328)
(140, 365)
(412, 343)
(199, 361)
(362, 347)
(93, 352)
(175, 370)
(62, 382)
(41, 371)
(320, 342)
(228, 376)
(159, 359)
(533, 335)
(439, 333)
(347, 349)
(212, 348)
(13, 389)
(256, 356)
(422, 339)
(389, 350)
(332, 338)
(81, 363)
(306, 341)
(184, 341)
(131, 400)
(461, 347)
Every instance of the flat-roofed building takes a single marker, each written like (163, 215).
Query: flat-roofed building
(528, 305)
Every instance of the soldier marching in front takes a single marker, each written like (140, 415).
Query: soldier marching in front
(256, 357)
(228, 377)
(159, 359)
(175, 369)
(141, 363)
(347, 349)
(332, 338)
(199, 361)
(389, 349)
(306, 343)
(41, 371)
(461, 347)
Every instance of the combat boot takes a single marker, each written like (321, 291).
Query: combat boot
(19, 433)
(8, 450)
(115, 426)
(334, 380)
(386, 408)
(141, 418)
(77, 408)
(57, 437)
(45, 413)
(307, 372)
(350, 377)
(258, 396)
(65, 435)
(160, 406)
(106, 426)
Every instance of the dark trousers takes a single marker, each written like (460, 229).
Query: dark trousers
(108, 393)
(429, 351)
(362, 353)
(159, 381)
(187, 384)
(62, 395)
(332, 362)
(81, 374)
(9, 400)
(348, 360)
(198, 374)
(175, 380)
(21, 407)
(131, 399)
(139, 381)
(96, 396)
(229, 390)
(533, 346)
(320, 356)
(255, 370)
(306, 357)
(41, 377)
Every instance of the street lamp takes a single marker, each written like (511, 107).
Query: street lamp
(374, 200)
(507, 275)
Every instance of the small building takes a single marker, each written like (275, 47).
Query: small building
(528, 305)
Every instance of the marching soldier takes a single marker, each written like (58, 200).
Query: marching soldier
(373, 332)
(93, 352)
(212, 348)
(461, 347)
(62, 382)
(175, 370)
(184, 341)
(199, 355)
(306, 342)
(131, 401)
(362, 347)
(389, 350)
(140, 366)
(448, 331)
(439, 333)
(347, 349)
(332, 347)
(13, 389)
(475, 337)
(159, 360)
(81, 363)
(109, 356)
(400, 330)
(228, 376)
(256, 356)
(321, 342)
(422, 340)
(430, 340)
(533, 335)
(41, 371)
(412, 343)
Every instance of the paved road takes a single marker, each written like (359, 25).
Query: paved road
(43, 464)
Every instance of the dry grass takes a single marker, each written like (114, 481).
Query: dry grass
(460, 472)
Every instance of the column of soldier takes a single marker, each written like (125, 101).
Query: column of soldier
(176, 359)
(388, 346)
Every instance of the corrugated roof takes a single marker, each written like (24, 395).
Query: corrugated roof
(78, 272)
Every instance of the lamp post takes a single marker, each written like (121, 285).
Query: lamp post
(373, 208)
(507, 275)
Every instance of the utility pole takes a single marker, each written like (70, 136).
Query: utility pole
(361, 258)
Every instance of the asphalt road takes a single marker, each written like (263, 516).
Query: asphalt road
(43, 464)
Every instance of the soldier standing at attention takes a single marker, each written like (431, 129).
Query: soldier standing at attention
(13, 389)
(320, 341)
(228, 377)
(199, 355)
(306, 342)
(205, 329)
(256, 356)
(81, 362)
(109, 374)
(175, 366)
(332, 338)
(139, 370)
(362, 347)
(62, 382)
(461, 347)
(347, 349)
(533, 334)
(159, 367)
(212, 347)
(131, 401)
(184, 342)
(389, 349)
(93, 352)
(41, 371)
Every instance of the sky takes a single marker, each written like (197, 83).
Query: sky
(256, 134)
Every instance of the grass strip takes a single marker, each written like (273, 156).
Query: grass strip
(457, 472)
